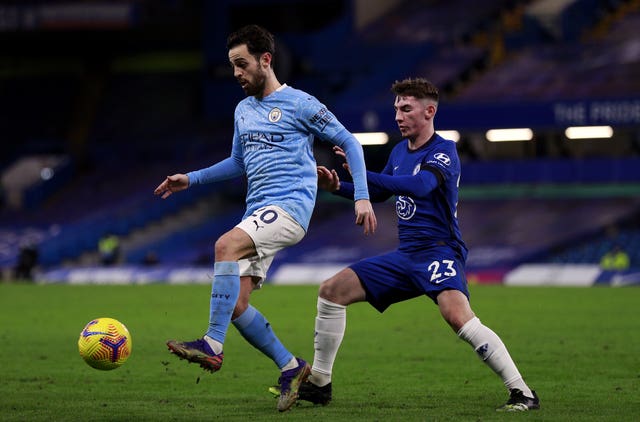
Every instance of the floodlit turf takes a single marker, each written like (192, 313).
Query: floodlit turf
(578, 347)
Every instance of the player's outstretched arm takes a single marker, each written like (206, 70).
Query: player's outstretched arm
(174, 183)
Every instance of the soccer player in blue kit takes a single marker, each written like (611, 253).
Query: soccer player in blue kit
(275, 127)
(423, 172)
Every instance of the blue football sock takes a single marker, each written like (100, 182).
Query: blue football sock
(257, 331)
(225, 290)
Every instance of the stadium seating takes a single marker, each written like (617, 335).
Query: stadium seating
(591, 247)
(144, 129)
(601, 67)
(429, 21)
(34, 112)
(146, 126)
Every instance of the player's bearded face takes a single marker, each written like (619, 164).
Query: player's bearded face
(247, 71)
(255, 81)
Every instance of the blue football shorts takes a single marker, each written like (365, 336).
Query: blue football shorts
(397, 276)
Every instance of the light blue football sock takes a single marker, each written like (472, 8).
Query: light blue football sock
(257, 331)
(225, 290)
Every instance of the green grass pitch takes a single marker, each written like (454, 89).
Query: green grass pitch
(578, 347)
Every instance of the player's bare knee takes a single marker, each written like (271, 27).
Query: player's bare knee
(343, 288)
(335, 289)
(327, 290)
(226, 249)
(221, 249)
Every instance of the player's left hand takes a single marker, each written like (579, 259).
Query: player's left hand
(365, 216)
(328, 179)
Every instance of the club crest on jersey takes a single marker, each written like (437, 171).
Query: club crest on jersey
(275, 114)
(443, 158)
(405, 207)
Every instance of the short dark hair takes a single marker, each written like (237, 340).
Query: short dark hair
(417, 87)
(257, 39)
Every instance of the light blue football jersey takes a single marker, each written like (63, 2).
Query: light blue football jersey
(273, 145)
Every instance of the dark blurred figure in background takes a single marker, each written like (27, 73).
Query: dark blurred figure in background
(27, 260)
(151, 259)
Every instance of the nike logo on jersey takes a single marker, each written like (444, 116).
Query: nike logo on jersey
(439, 280)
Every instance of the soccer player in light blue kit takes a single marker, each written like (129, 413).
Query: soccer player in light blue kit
(423, 172)
(275, 126)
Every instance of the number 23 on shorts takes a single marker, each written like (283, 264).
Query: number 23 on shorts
(441, 270)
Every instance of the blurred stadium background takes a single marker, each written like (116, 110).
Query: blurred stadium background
(100, 100)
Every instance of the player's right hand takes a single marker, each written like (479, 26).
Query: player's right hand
(173, 183)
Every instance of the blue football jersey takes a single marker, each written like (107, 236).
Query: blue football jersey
(431, 218)
(431, 253)
(425, 184)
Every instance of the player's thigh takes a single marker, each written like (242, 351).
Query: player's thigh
(386, 279)
(233, 245)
